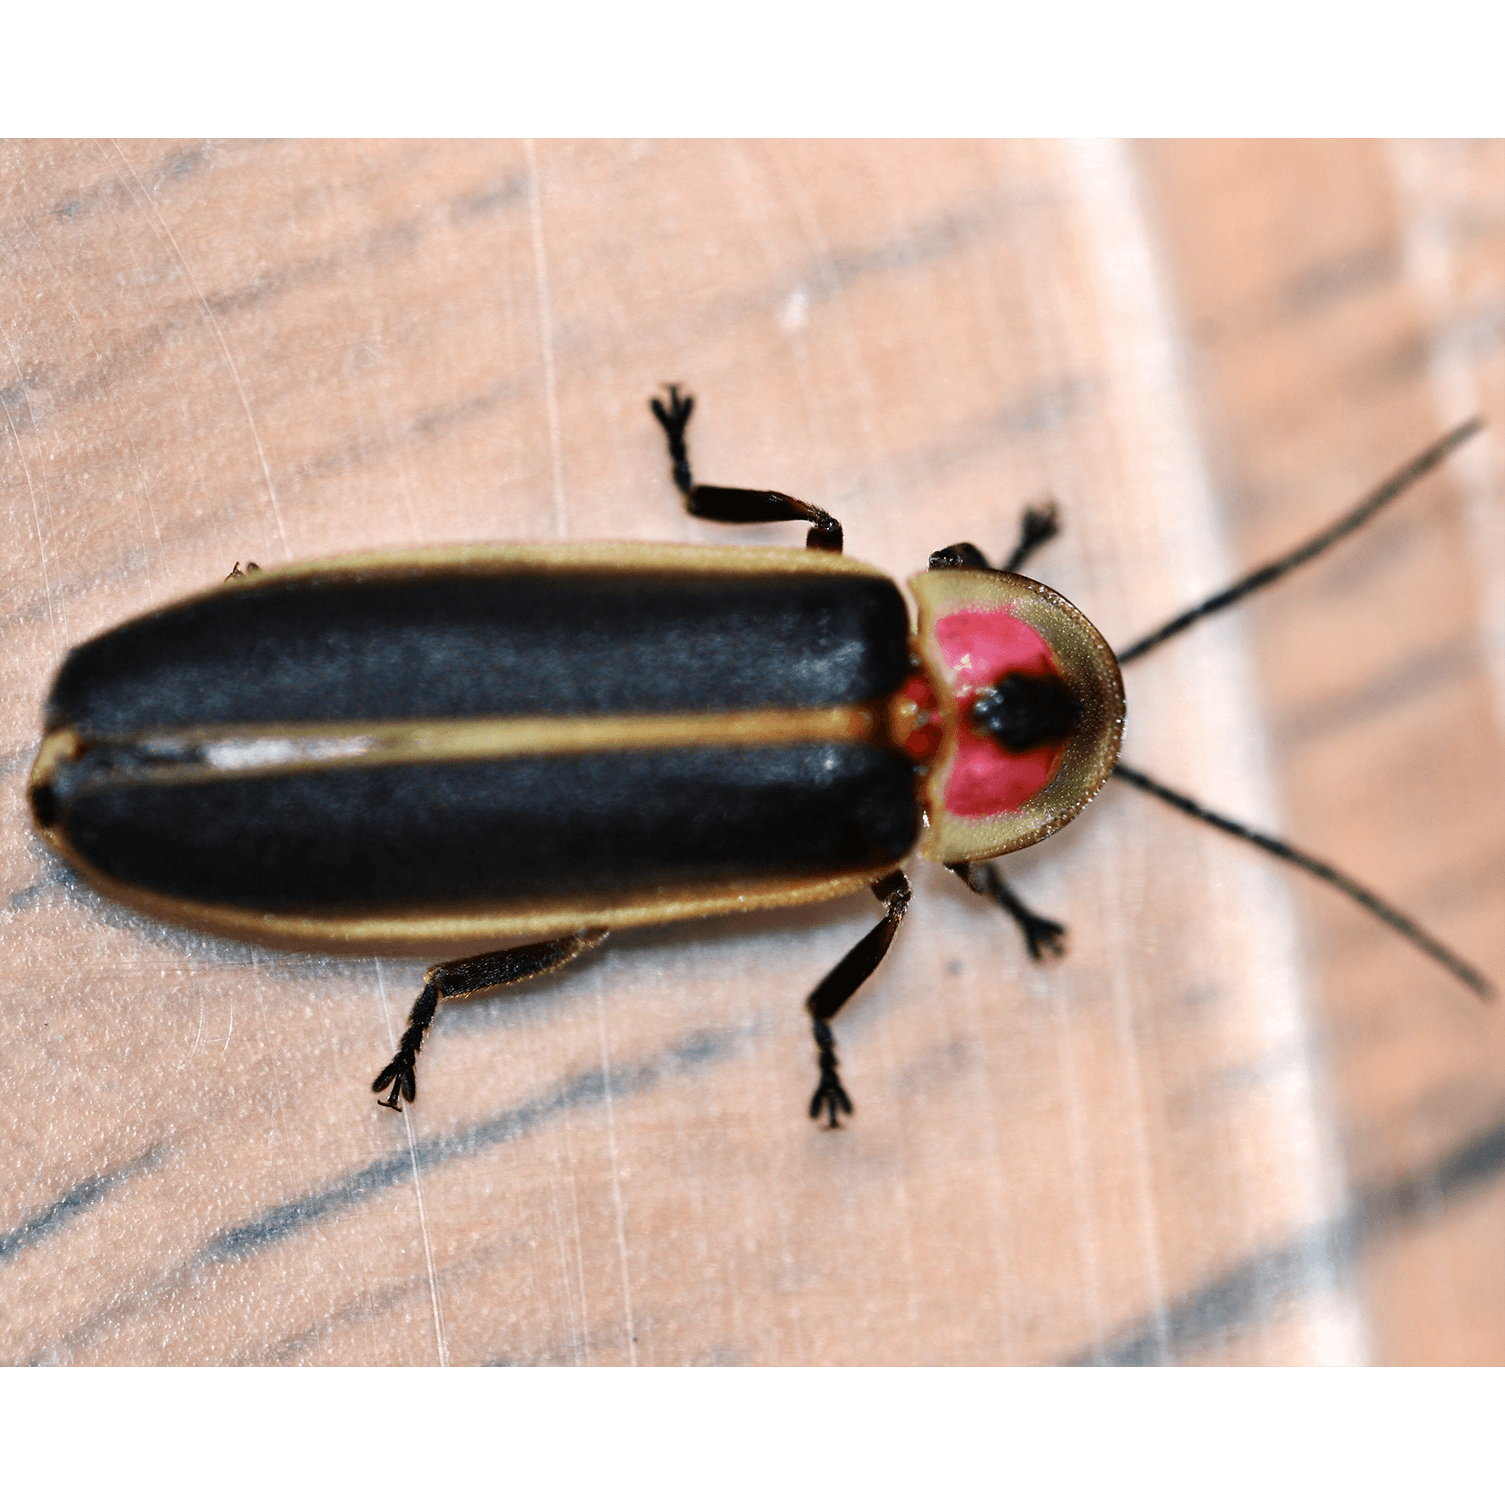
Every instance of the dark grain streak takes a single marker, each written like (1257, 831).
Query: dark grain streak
(1318, 1259)
(53, 1218)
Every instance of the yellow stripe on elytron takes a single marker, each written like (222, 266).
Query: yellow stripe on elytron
(227, 751)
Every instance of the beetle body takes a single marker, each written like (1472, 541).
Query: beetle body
(408, 753)
(402, 753)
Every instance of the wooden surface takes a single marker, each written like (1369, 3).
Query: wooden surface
(1239, 1123)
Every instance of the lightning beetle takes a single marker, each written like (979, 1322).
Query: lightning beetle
(407, 753)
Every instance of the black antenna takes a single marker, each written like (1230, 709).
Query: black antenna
(1267, 573)
(1319, 869)
(1254, 581)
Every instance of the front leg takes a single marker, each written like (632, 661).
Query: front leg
(1038, 525)
(841, 982)
(472, 974)
(1040, 935)
(728, 504)
(960, 556)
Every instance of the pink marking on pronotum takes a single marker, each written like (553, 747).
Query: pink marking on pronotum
(988, 780)
(980, 648)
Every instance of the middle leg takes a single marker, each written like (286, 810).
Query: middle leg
(730, 504)
(841, 982)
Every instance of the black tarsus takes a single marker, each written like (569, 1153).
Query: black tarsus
(730, 504)
(1040, 935)
(459, 979)
(1356, 517)
(401, 1072)
(830, 1097)
(841, 982)
(674, 418)
(1038, 525)
(1376, 906)
(236, 573)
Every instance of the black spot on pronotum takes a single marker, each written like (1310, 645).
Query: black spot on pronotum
(1023, 711)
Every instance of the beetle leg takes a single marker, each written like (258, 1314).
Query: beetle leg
(1038, 525)
(960, 556)
(730, 504)
(459, 979)
(236, 573)
(841, 982)
(673, 420)
(1040, 935)
(726, 504)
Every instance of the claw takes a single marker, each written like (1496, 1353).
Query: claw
(677, 414)
(1042, 935)
(830, 1095)
(402, 1078)
(830, 1098)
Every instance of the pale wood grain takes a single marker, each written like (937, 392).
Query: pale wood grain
(1234, 1124)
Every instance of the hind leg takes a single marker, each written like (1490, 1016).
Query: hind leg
(459, 979)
